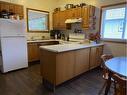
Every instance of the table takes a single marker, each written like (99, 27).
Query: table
(116, 65)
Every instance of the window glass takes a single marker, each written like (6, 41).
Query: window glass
(114, 23)
(37, 20)
(118, 13)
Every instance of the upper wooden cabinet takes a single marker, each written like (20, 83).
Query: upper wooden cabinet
(59, 20)
(10, 7)
(88, 16)
(74, 13)
(87, 13)
(85, 17)
(56, 20)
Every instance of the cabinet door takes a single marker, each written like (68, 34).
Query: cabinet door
(85, 17)
(76, 13)
(68, 14)
(82, 61)
(33, 52)
(99, 52)
(11, 8)
(95, 56)
(72, 13)
(93, 60)
(62, 16)
(64, 66)
(19, 10)
(56, 20)
(4, 6)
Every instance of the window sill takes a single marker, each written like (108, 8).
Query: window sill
(114, 40)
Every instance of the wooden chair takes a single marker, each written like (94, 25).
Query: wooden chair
(105, 57)
(120, 85)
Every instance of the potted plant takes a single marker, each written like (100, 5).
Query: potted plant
(95, 37)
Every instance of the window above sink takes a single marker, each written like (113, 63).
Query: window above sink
(37, 20)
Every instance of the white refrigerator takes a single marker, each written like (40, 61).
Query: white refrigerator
(13, 45)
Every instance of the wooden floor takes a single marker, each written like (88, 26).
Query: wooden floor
(28, 82)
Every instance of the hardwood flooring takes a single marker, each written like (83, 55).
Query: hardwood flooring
(29, 82)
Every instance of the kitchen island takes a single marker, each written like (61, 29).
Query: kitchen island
(63, 62)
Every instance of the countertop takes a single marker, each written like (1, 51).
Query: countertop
(38, 41)
(68, 47)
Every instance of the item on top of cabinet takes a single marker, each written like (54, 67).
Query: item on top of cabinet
(57, 9)
(82, 4)
(4, 14)
(14, 17)
(76, 6)
(69, 6)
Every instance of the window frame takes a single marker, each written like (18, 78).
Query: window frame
(101, 18)
(27, 10)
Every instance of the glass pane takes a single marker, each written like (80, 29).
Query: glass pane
(113, 29)
(37, 20)
(113, 25)
(118, 13)
(125, 34)
(37, 24)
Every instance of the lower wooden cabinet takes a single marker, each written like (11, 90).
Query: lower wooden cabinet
(99, 52)
(81, 61)
(95, 56)
(33, 52)
(57, 68)
(65, 66)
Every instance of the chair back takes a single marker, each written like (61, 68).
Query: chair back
(120, 82)
(105, 57)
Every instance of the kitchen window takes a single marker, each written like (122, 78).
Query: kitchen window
(113, 22)
(37, 20)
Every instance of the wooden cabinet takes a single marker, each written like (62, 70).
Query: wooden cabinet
(99, 53)
(56, 20)
(85, 17)
(88, 16)
(12, 8)
(74, 13)
(87, 13)
(62, 18)
(33, 52)
(58, 67)
(95, 56)
(59, 20)
(82, 61)
(65, 66)
(19, 10)
(15, 8)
